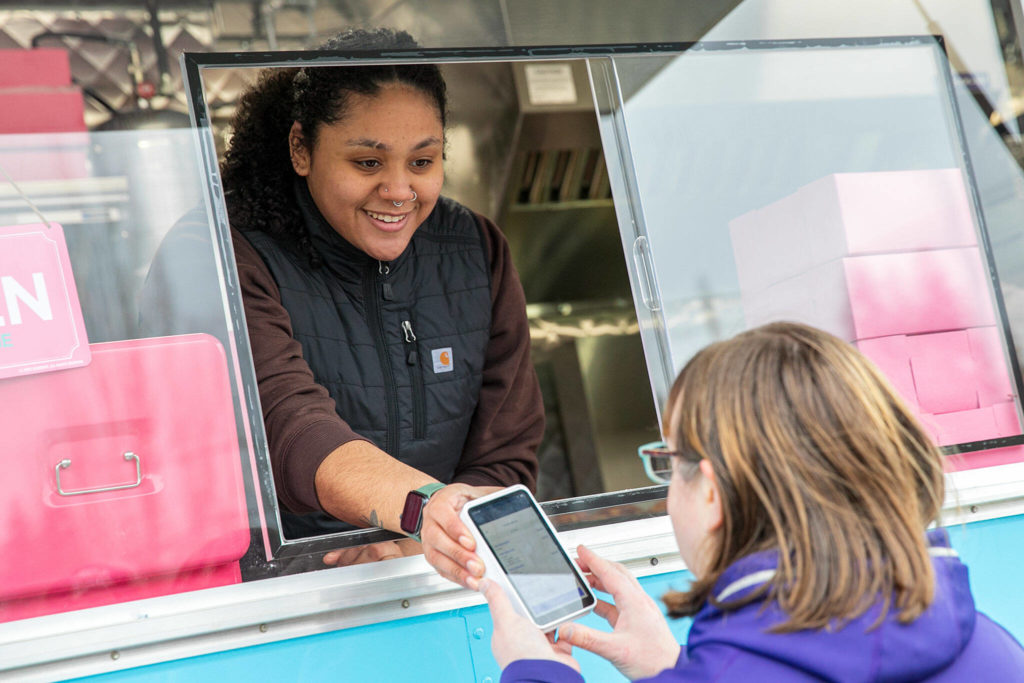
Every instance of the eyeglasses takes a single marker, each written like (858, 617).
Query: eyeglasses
(657, 459)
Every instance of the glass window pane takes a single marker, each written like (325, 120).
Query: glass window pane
(821, 181)
(126, 476)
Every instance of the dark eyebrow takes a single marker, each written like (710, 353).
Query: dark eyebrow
(427, 143)
(367, 142)
(377, 144)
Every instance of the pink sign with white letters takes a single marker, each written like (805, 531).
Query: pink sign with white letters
(41, 325)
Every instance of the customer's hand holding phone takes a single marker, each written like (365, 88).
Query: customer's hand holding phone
(640, 643)
(516, 637)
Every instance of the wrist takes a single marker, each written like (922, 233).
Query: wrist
(411, 519)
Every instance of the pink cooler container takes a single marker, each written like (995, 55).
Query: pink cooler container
(122, 479)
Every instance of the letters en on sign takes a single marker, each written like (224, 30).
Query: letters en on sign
(41, 324)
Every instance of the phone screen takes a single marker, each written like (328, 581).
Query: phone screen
(532, 557)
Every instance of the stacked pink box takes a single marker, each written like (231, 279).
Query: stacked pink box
(37, 101)
(889, 261)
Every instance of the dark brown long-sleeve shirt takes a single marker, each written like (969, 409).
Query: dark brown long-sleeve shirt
(303, 426)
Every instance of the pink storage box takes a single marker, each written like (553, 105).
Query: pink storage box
(962, 426)
(1007, 421)
(945, 371)
(892, 356)
(46, 156)
(791, 299)
(990, 422)
(995, 384)
(769, 244)
(41, 66)
(818, 297)
(945, 379)
(41, 110)
(52, 165)
(862, 297)
(143, 444)
(887, 211)
(938, 376)
(851, 214)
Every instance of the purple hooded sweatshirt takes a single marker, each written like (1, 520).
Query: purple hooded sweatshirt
(951, 641)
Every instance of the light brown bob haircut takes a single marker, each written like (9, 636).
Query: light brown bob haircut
(816, 457)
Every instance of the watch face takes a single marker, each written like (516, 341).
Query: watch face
(411, 513)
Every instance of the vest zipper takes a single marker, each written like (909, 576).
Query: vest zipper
(419, 399)
(373, 310)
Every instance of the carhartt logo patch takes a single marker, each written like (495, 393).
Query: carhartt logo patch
(442, 359)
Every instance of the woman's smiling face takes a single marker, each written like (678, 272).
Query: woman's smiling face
(388, 148)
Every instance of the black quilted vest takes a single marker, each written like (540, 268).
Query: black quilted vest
(399, 345)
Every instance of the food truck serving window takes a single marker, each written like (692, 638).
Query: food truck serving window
(656, 198)
(826, 181)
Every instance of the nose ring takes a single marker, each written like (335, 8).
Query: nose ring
(414, 198)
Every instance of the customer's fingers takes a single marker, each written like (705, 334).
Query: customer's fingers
(599, 642)
(607, 611)
(612, 577)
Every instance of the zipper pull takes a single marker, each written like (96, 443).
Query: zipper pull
(410, 339)
(386, 290)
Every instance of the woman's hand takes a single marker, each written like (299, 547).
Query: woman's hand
(447, 543)
(640, 644)
(515, 637)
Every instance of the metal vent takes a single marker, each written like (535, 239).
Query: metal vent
(562, 175)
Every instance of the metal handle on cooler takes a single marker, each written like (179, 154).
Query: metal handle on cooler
(66, 463)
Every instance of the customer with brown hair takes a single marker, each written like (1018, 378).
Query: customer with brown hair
(800, 491)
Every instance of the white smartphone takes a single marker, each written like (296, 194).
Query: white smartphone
(522, 553)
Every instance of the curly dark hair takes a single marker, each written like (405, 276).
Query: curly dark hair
(257, 171)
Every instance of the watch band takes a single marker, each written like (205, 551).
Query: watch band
(411, 520)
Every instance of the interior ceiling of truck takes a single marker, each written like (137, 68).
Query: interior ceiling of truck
(107, 30)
